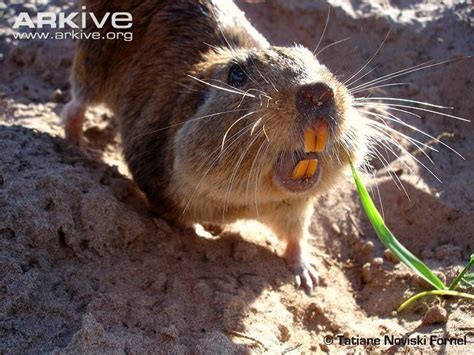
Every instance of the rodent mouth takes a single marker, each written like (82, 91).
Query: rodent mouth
(292, 163)
(299, 171)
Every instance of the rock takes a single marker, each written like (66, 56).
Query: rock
(169, 333)
(435, 315)
(377, 262)
(390, 257)
(367, 274)
(368, 247)
(58, 96)
(284, 335)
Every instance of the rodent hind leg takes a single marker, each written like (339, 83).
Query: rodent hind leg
(72, 115)
(290, 223)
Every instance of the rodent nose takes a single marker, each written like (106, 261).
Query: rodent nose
(316, 99)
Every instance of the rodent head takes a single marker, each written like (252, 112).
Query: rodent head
(269, 124)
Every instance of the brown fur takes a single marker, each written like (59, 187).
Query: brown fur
(175, 157)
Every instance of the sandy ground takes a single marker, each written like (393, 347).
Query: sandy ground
(85, 267)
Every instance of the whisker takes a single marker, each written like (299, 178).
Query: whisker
(216, 48)
(412, 69)
(403, 100)
(234, 173)
(324, 29)
(400, 121)
(391, 109)
(384, 129)
(191, 120)
(388, 105)
(348, 81)
(250, 172)
(377, 191)
(406, 137)
(371, 172)
(267, 80)
(389, 148)
(258, 176)
(219, 27)
(259, 96)
(390, 171)
(393, 75)
(330, 45)
(234, 123)
(187, 87)
(378, 87)
(255, 125)
(233, 140)
(391, 139)
(221, 88)
(265, 133)
(361, 77)
(227, 85)
(262, 93)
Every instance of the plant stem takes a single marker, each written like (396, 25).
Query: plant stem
(433, 292)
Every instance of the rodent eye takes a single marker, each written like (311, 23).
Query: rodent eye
(237, 76)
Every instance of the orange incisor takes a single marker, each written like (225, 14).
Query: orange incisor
(315, 140)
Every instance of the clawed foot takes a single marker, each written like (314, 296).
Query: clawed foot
(306, 276)
(73, 117)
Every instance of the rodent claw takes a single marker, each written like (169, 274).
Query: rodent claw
(306, 277)
(297, 281)
(308, 280)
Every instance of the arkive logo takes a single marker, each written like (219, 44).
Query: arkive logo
(74, 20)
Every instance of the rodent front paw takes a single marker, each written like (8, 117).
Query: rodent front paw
(306, 276)
(300, 264)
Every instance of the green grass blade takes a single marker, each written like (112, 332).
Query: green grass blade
(389, 240)
(433, 292)
(461, 275)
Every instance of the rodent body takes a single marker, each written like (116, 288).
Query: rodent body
(214, 119)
